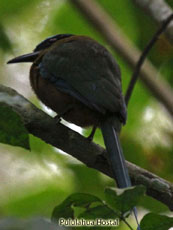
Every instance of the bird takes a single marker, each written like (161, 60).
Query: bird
(80, 80)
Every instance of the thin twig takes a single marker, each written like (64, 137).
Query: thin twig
(159, 11)
(113, 34)
(124, 220)
(143, 56)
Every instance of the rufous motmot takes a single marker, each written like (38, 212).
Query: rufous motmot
(80, 80)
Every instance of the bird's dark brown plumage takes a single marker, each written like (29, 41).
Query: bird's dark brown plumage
(58, 101)
(97, 86)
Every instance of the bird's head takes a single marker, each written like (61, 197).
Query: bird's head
(31, 57)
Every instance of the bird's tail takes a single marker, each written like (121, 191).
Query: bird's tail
(116, 157)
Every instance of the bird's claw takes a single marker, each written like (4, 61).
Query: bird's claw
(57, 119)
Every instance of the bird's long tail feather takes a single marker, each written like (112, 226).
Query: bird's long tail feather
(117, 160)
(116, 156)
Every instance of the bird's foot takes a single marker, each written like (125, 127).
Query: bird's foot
(57, 119)
(91, 136)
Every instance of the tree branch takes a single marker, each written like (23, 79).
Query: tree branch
(159, 10)
(143, 56)
(121, 44)
(43, 126)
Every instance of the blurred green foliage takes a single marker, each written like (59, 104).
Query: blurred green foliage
(13, 8)
(5, 43)
(21, 224)
(146, 139)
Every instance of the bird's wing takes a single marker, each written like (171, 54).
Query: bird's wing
(85, 70)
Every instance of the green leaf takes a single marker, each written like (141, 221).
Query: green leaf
(153, 221)
(12, 129)
(99, 214)
(102, 215)
(65, 210)
(101, 211)
(123, 200)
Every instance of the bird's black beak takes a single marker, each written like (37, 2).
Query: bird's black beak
(25, 58)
